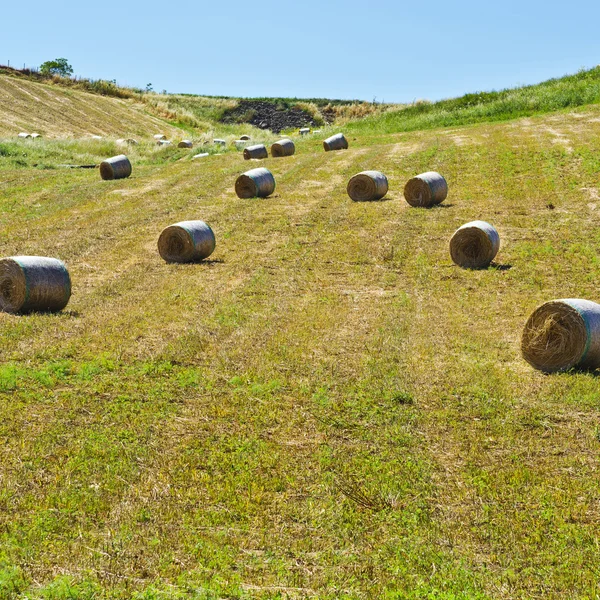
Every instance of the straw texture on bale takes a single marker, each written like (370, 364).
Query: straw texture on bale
(562, 334)
(256, 182)
(188, 241)
(283, 148)
(368, 185)
(335, 142)
(185, 144)
(256, 151)
(160, 136)
(474, 245)
(33, 283)
(244, 138)
(426, 189)
(117, 167)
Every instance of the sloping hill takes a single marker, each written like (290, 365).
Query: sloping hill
(58, 112)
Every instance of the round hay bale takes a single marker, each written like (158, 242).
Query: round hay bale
(245, 138)
(33, 283)
(283, 148)
(368, 185)
(24, 135)
(160, 136)
(562, 334)
(474, 245)
(35, 136)
(219, 142)
(185, 144)
(256, 182)
(188, 241)
(304, 131)
(256, 151)
(117, 167)
(163, 142)
(426, 189)
(335, 142)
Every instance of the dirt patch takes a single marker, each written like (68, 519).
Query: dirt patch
(268, 115)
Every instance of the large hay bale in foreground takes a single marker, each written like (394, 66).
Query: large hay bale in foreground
(368, 185)
(117, 167)
(185, 144)
(426, 189)
(562, 334)
(256, 151)
(474, 245)
(283, 148)
(33, 283)
(187, 241)
(335, 142)
(255, 183)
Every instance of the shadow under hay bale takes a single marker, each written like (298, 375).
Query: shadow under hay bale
(426, 189)
(562, 334)
(256, 151)
(283, 148)
(335, 142)
(367, 186)
(187, 241)
(255, 183)
(185, 144)
(33, 283)
(474, 245)
(117, 167)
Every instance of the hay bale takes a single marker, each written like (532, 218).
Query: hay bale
(96, 137)
(160, 136)
(201, 155)
(33, 283)
(426, 189)
(35, 136)
(256, 182)
(283, 148)
(163, 143)
(335, 142)
(304, 131)
(188, 241)
(368, 185)
(24, 135)
(474, 245)
(117, 167)
(245, 138)
(219, 142)
(256, 151)
(185, 144)
(562, 334)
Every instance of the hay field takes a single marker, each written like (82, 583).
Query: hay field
(328, 407)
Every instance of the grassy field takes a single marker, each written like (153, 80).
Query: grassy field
(327, 407)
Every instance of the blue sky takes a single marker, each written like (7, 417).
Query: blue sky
(390, 50)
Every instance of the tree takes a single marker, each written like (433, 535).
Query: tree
(58, 66)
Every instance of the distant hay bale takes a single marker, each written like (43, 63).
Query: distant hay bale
(219, 142)
(256, 182)
(117, 167)
(24, 135)
(185, 144)
(201, 155)
(160, 136)
(474, 245)
(562, 334)
(283, 148)
(163, 142)
(335, 142)
(426, 189)
(188, 241)
(256, 151)
(304, 131)
(96, 137)
(368, 185)
(33, 283)
(35, 136)
(244, 138)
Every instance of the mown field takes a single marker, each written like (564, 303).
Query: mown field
(325, 408)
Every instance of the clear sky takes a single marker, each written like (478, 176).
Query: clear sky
(394, 51)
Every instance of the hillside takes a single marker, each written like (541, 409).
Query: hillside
(327, 407)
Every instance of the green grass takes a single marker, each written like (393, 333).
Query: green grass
(327, 407)
(552, 95)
